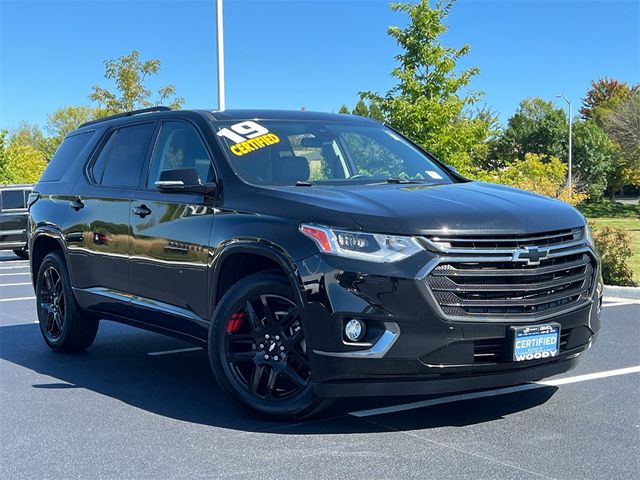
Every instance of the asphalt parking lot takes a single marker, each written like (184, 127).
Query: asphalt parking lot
(139, 405)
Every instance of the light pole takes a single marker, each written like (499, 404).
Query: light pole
(220, 42)
(569, 179)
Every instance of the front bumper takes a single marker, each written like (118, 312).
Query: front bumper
(410, 349)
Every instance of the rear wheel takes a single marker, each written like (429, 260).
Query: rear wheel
(258, 351)
(62, 324)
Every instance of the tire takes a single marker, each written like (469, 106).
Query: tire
(22, 253)
(258, 356)
(62, 324)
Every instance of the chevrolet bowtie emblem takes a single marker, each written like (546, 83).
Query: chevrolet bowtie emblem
(530, 255)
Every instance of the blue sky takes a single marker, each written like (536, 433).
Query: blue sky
(313, 53)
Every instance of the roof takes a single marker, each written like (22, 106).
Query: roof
(244, 114)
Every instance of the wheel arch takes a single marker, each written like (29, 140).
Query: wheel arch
(240, 258)
(42, 242)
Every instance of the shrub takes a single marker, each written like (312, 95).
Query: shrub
(614, 247)
(538, 174)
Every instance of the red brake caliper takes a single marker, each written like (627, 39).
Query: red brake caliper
(235, 322)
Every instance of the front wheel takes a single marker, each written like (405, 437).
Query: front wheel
(258, 351)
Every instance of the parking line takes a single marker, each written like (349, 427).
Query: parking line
(13, 267)
(14, 284)
(618, 304)
(14, 274)
(493, 393)
(16, 299)
(180, 350)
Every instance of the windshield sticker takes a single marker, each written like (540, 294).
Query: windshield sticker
(247, 137)
(434, 175)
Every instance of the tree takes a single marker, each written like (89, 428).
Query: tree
(594, 155)
(344, 109)
(536, 127)
(430, 101)
(623, 127)
(361, 109)
(19, 162)
(603, 97)
(67, 119)
(130, 74)
(32, 136)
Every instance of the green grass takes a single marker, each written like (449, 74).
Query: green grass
(609, 209)
(633, 227)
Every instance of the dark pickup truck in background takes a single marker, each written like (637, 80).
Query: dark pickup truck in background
(14, 218)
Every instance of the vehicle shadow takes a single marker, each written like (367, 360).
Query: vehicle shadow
(181, 386)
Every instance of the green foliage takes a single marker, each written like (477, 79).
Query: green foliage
(343, 109)
(32, 136)
(594, 155)
(430, 101)
(609, 209)
(536, 127)
(614, 247)
(623, 126)
(67, 119)
(535, 173)
(361, 109)
(19, 162)
(129, 74)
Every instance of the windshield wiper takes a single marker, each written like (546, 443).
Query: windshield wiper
(404, 180)
(303, 183)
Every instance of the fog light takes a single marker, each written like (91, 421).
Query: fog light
(354, 330)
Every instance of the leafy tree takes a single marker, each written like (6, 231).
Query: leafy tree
(603, 96)
(343, 109)
(67, 119)
(430, 101)
(536, 127)
(19, 162)
(32, 136)
(594, 155)
(130, 74)
(539, 174)
(361, 109)
(623, 126)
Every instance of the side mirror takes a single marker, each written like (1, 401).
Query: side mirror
(184, 180)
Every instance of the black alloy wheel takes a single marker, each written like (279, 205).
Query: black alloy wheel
(258, 351)
(52, 302)
(265, 348)
(63, 325)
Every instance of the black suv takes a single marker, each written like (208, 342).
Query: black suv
(314, 255)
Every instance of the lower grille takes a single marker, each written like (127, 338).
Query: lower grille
(500, 287)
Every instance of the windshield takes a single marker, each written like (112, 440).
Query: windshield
(302, 152)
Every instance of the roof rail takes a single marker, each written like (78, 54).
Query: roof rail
(127, 114)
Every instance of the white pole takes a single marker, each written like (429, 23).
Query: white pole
(220, 42)
(570, 151)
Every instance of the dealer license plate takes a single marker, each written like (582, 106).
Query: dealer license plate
(536, 342)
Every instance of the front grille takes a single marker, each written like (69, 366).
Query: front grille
(499, 278)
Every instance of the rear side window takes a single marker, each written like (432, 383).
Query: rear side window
(120, 161)
(13, 199)
(67, 152)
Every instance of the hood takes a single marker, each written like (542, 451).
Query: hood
(421, 209)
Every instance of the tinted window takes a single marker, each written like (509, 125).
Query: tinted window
(179, 146)
(64, 156)
(120, 160)
(13, 199)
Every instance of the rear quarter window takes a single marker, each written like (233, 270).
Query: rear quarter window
(67, 152)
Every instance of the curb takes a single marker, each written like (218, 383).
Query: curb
(632, 293)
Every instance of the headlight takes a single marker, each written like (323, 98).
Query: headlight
(373, 247)
(589, 237)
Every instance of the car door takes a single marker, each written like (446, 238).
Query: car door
(170, 236)
(97, 231)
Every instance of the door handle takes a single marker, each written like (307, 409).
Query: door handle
(142, 211)
(76, 204)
